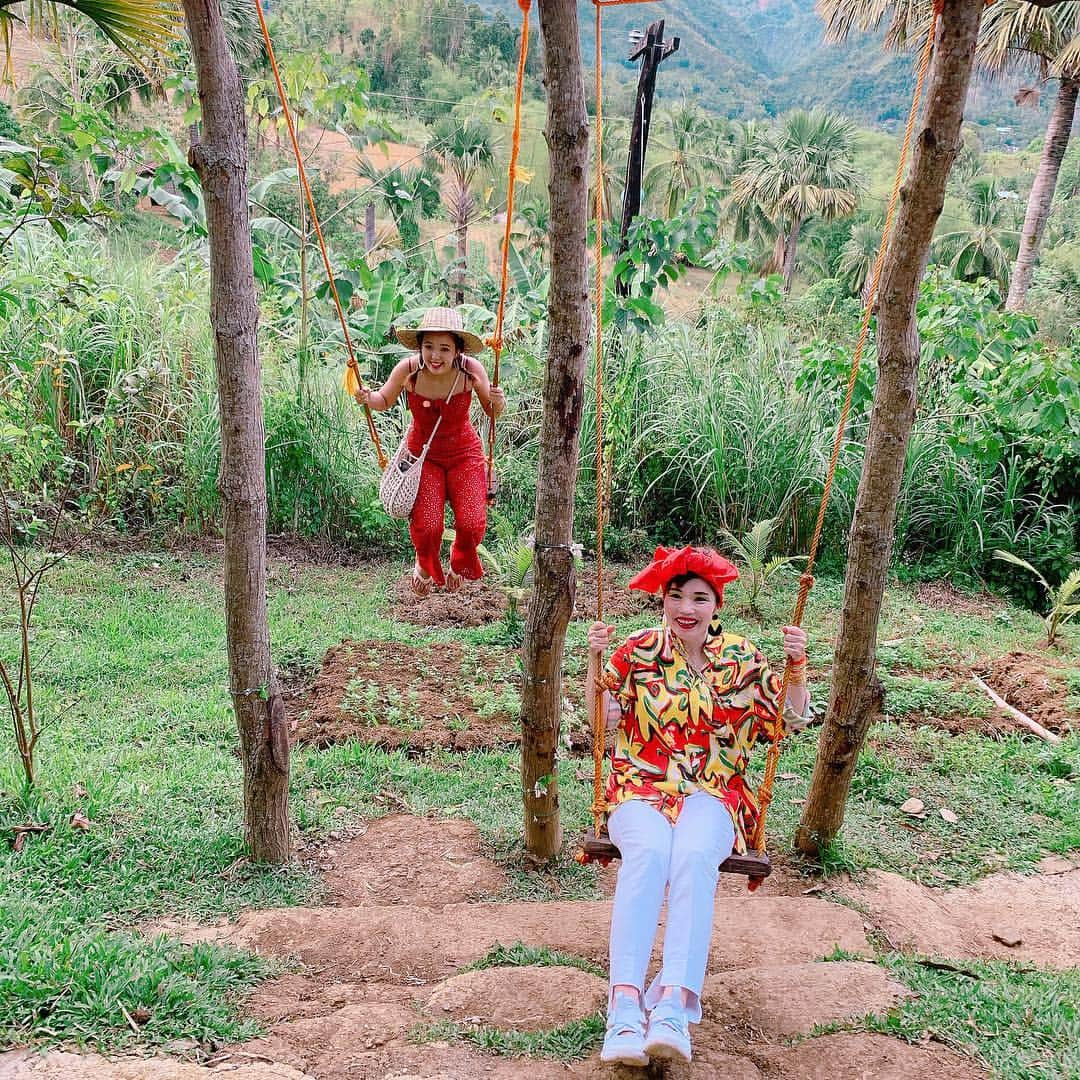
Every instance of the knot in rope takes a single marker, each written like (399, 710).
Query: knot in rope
(494, 342)
(806, 581)
(525, 5)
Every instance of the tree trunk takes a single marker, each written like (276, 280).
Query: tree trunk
(567, 136)
(791, 245)
(871, 537)
(220, 159)
(462, 235)
(1042, 191)
(369, 227)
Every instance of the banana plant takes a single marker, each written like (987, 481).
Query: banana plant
(752, 551)
(1064, 600)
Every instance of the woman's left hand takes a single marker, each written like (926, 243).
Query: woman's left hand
(498, 400)
(794, 643)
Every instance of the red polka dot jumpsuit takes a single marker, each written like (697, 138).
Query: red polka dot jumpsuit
(454, 469)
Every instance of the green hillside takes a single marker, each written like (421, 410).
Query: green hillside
(748, 58)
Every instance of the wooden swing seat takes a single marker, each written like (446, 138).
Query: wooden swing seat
(753, 864)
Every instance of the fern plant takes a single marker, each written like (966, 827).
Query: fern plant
(752, 551)
(1064, 600)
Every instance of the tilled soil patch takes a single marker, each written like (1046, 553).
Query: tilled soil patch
(396, 695)
(947, 597)
(477, 603)
(403, 859)
(1031, 682)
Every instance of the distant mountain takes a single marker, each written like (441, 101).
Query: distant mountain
(752, 58)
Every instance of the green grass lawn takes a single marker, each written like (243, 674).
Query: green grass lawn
(143, 743)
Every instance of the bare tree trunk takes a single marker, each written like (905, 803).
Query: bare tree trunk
(369, 227)
(564, 382)
(791, 245)
(871, 537)
(1058, 132)
(221, 161)
(462, 235)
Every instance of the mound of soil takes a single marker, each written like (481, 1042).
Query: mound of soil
(944, 596)
(1003, 916)
(519, 998)
(792, 999)
(859, 1057)
(1031, 682)
(478, 603)
(404, 859)
(1034, 684)
(396, 695)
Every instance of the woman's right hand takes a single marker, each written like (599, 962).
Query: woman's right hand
(363, 396)
(600, 635)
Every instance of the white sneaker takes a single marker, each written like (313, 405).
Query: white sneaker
(624, 1043)
(668, 1037)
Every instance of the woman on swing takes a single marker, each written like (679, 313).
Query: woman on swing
(439, 381)
(688, 701)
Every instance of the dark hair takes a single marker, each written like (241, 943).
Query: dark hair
(458, 340)
(680, 580)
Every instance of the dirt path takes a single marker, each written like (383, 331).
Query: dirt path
(411, 909)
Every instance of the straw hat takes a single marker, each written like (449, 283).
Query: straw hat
(440, 320)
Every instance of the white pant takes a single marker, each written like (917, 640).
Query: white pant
(685, 857)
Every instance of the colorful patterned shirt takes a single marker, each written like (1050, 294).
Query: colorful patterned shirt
(682, 731)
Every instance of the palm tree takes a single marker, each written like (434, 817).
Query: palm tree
(858, 254)
(679, 168)
(803, 168)
(748, 221)
(139, 27)
(466, 148)
(986, 248)
(1045, 41)
(407, 192)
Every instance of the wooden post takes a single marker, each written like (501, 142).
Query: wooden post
(220, 157)
(891, 419)
(567, 134)
(652, 51)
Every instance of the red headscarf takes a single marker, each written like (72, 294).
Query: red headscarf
(671, 563)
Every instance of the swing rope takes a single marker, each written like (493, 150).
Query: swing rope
(353, 380)
(806, 579)
(496, 340)
(599, 805)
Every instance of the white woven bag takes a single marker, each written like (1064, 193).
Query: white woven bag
(401, 480)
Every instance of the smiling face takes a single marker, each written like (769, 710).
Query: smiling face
(689, 605)
(438, 350)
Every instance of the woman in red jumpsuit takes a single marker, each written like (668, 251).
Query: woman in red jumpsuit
(439, 382)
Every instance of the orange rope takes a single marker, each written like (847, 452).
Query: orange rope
(496, 340)
(599, 805)
(302, 172)
(806, 581)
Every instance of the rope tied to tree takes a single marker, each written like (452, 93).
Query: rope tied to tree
(496, 339)
(354, 382)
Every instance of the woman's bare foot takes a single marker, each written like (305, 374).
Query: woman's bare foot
(419, 584)
(453, 581)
